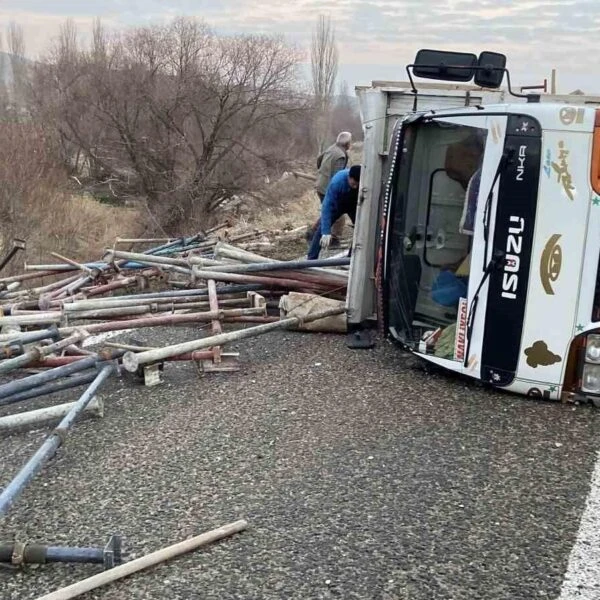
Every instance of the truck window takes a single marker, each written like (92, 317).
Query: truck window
(433, 224)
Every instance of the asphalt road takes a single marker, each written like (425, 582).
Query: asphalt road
(360, 477)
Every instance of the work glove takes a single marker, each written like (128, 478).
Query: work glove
(325, 241)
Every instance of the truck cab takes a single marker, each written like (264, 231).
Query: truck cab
(477, 239)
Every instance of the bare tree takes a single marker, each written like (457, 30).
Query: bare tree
(174, 114)
(345, 115)
(4, 99)
(16, 48)
(324, 67)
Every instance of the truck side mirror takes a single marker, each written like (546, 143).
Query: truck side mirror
(490, 70)
(448, 66)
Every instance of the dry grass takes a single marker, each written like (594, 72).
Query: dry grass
(36, 205)
(81, 229)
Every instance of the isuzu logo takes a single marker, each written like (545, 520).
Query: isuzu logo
(512, 263)
(521, 163)
(550, 263)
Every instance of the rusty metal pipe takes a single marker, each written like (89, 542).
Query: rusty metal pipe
(124, 301)
(10, 364)
(27, 276)
(163, 320)
(132, 361)
(292, 284)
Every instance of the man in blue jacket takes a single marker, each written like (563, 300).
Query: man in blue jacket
(341, 198)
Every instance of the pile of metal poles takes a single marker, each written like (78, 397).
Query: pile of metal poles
(53, 313)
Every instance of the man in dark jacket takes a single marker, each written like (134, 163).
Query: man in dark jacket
(332, 160)
(340, 199)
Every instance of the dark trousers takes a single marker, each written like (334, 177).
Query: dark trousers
(315, 245)
(336, 228)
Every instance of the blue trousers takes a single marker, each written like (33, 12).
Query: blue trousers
(315, 244)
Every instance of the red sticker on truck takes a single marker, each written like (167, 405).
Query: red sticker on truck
(460, 341)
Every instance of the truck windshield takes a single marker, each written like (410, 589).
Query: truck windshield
(432, 220)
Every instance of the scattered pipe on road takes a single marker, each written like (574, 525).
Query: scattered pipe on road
(10, 364)
(27, 383)
(24, 553)
(132, 361)
(164, 320)
(144, 562)
(42, 416)
(52, 387)
(52, 443)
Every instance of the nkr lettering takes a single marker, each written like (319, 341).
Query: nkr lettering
(512, 264)
(521, 163)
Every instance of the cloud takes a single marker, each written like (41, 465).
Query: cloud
(536, 35)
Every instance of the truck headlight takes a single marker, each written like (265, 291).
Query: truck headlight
(590, 379)
(592, 349)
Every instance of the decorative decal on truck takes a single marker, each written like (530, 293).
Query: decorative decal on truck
(550, 263)
(539, 355)
(569, 115)
(561, 167)
(460, 341)
(548, 163)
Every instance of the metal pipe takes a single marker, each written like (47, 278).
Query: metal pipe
(10, 364)
(131, 360)
(27, 276)
(30, 337)
(50, 388)
(292, 284)
(109, 313)
(39, 319)
(194, 356)
(143, 240)
(163, 320)
(184, 241)
(126, 301)
(49, 413)
(147, 309)
(79, 266)
(215, 325)
(52, 443)
(50, 362)
(26, 383)
(18, 244)
(111, 255)
(225, 289)
(74, 555)
(55, 285)
(23, 553)
(143, 562)
(252, 320)
(289, 265)
(113, 285)
(223, 250)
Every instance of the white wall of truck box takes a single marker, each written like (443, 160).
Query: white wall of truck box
(381, 106)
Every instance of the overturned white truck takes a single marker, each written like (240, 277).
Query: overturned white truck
(477, 236)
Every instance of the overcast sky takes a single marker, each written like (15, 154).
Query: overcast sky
(376, 38)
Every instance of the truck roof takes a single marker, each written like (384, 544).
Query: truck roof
(404, 87)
